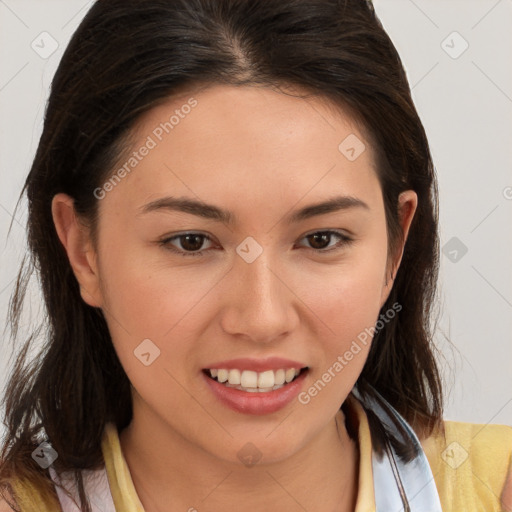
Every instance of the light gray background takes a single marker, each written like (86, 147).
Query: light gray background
(465, 102)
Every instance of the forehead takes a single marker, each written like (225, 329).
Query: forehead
(251, 142)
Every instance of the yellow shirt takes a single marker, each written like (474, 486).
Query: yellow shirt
(469, 464)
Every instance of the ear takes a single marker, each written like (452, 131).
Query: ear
(74, 236)
(407, 205)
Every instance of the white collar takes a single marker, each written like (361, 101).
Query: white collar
(400, 486)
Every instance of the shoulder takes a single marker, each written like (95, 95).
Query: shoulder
(470, 463)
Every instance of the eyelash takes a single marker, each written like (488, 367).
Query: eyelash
(344, 241)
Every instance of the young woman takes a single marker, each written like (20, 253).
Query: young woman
(233, 215)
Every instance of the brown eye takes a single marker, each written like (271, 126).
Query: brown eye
(189, 244)
(320, 241)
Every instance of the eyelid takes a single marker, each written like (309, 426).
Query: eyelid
(340, 232)
(165, 243)
(345, 238)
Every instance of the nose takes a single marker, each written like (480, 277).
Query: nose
(259, 303)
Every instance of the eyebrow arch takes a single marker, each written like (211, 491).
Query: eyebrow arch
(211, 212)
(331, 205)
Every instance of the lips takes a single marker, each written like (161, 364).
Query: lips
(253, 386)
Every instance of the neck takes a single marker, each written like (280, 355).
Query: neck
(167, 469)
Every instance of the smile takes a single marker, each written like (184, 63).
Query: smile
(254, 382)
(255, 392)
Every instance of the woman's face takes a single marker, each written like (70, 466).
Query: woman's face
(254, 283)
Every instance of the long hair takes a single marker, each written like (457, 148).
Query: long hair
(126, 57)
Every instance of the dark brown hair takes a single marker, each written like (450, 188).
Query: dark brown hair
(126, 57)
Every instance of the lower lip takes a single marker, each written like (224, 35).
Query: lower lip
(256, 403)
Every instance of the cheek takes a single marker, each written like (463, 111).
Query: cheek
(143, 291)
(346, 303)
(348, 296)
(347, 309)
(147, 317)
(168, 306)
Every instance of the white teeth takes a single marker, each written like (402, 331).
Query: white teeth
(280, 377)
(222, 375)
(266, 379)
(253, 390)
(234, 377)
(247, 380)
(290, 374)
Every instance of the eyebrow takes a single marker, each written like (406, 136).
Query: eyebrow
(212, 212)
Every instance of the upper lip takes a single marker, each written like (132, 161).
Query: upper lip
(256, 365)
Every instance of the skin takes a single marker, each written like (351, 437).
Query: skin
(260, 154)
